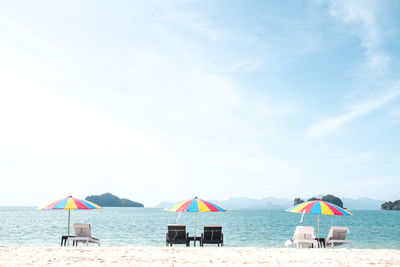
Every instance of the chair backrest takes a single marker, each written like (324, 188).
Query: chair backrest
(82, 230)
(212, 232)
(304, 232)
(176, 231)
(338, 233)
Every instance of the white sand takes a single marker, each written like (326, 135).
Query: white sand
(182, 256)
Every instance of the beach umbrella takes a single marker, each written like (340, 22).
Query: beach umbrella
(196, 205)
(69, 203)
(319, 207)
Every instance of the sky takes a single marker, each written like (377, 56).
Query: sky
(166, 100)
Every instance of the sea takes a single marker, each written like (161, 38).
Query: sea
(148, 226)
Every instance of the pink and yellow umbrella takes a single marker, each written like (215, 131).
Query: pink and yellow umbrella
(69, 203)
(196, 205)
(319, 207)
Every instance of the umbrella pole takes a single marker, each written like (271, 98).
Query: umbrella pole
(318, 227)
(195, 221)
(69, 213)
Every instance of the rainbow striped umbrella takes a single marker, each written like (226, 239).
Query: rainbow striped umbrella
(196, 205)
(319, 207)
(69, 203)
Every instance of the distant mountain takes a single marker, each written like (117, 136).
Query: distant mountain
(109, 200)
(244, 203)
(251, 203)
(364, 203)
(164, 205)
(273, 203)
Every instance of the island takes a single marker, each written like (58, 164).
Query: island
(110, 200)
(395, 205)
(328, 198)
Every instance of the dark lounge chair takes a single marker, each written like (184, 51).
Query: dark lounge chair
(177, 235)
(212, 235)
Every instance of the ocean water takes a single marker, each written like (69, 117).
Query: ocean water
(147, 226)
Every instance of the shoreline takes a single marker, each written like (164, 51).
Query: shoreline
(193, 256)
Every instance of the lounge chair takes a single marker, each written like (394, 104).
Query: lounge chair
(337, 236)
(83, 234)
(177, 235)
(212, 235)
(303, 237)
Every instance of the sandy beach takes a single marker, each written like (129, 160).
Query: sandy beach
(182, 256)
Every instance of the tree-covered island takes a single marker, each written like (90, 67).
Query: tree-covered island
(109, 200)
(395, 205)
(328, 198)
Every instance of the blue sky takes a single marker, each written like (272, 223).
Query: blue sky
(164, 100)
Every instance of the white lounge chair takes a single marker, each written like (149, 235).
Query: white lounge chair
(83, 234)
(303, 237)
(337, 236)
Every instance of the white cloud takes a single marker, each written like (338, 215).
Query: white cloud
(248, 65)
(149, 105)
(395, 113)
(356, 158)
(330, 124)
(148, 122)
(361, 16)
(185, 19)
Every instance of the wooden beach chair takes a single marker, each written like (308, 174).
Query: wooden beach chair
(212, 235)
(303, 237)
(177, 235)
(337, 236)
(83, 233)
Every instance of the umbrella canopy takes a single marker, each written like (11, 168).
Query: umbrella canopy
(69, 203)
(196, 205)
(319, 207)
